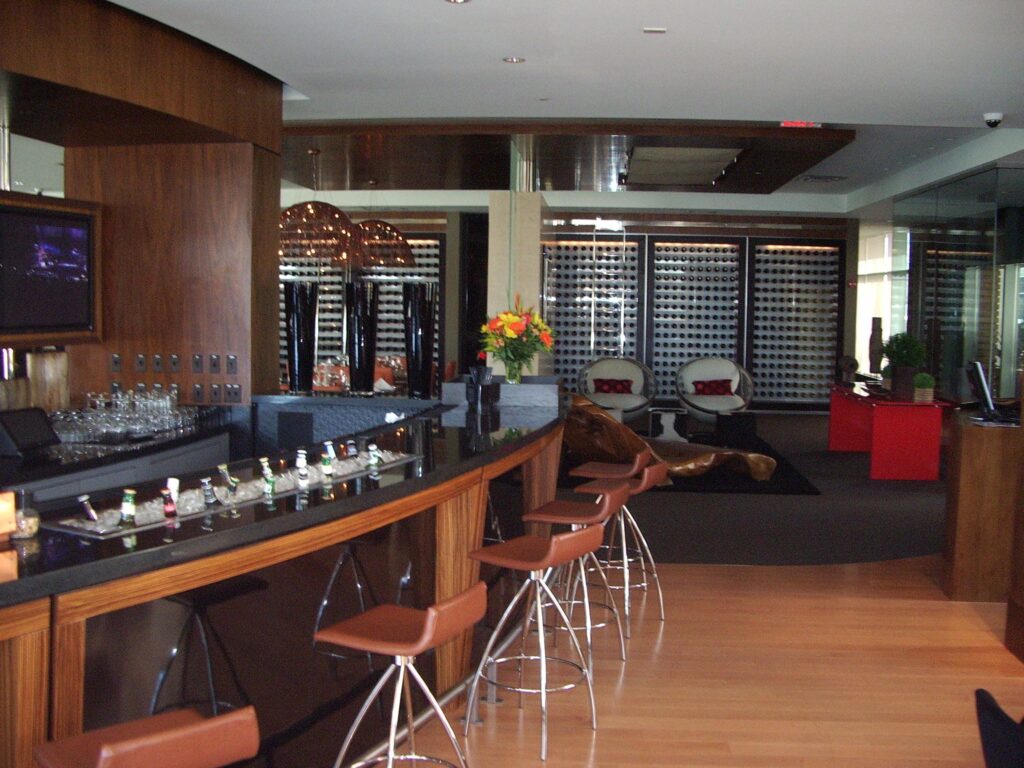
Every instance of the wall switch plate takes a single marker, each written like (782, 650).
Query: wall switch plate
(214, 363)
(115, 386)
(233, 393)
(174, 363)
(197, 393)
(215, 393)
(115, 363)
(158, 363)
(197, 363)
(232, 365)
(140, 363)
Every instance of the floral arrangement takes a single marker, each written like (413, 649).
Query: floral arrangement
(514, 337)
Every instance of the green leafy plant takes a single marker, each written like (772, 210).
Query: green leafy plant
(904, 350)
(924, 380)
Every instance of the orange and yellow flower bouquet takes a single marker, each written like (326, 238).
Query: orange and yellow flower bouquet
(514, 337)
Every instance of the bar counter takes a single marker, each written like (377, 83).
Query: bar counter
(64, 580)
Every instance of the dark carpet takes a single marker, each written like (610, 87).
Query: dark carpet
(851, 519)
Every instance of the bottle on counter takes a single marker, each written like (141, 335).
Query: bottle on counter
(87, 507)
(301, 468)
(351, 450)
(329, 449)
(170, 508)
(230, 481)
(128, 507)
(209, 497)
(326, 466)
(173, 484)
(374, 454)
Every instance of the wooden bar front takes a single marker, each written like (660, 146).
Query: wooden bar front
(42, 643)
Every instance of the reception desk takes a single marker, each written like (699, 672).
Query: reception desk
(67, 581)
(903, 438)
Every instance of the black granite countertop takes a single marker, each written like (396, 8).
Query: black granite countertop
(446, 443)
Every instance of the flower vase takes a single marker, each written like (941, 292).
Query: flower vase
(513, 372)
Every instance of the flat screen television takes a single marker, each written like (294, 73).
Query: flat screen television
(49, 271)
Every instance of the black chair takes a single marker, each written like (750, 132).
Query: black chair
(1002, 737)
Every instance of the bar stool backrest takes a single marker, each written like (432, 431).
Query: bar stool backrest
(573, 545)
(653, 474)
(611, 502)
(641, 460)
(453, 616)
(205, 743)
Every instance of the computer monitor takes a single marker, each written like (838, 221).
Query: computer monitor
(979, 386)
(25, 432)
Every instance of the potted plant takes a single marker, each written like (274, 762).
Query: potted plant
(905, 354)
(887, 376)
(924, 387)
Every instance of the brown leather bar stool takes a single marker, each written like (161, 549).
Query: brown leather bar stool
(539, 556)
(578, 514)
(179, 739)
(404, 633)
(603, 470)
(623, 520)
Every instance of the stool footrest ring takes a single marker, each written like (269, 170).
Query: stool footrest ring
(549, 659)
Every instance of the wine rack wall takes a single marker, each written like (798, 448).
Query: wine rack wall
(591, 301)
(331, 312)
(773, 306)
(795, 322)
(695, 306)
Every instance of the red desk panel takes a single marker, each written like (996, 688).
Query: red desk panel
(903, 438)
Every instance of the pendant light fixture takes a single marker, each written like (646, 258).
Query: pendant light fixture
(384, 245)
(320, 231)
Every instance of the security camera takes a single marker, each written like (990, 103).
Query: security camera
(993, 119)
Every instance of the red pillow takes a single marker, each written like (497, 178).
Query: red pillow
(713, 387)
(614, 386)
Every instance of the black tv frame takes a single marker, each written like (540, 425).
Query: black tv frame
(92, 214)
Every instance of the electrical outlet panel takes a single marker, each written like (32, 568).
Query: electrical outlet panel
(158, 363)
(214, 363)
(140, 363)
(197, 363)
(215, 393)
(140, 386)
(232, 393)
(115, 386)
(232, 364)
(115, 363)
(174, 363)
(197, 393)
(158, 387)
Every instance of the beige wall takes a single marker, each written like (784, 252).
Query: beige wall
(514, 263)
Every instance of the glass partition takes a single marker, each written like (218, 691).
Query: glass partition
(964, 243)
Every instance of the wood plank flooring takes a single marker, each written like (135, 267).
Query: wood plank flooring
(811, 666)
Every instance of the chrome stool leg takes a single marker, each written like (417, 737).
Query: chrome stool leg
(646, 554)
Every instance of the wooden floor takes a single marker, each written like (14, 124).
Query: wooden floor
(812, 666)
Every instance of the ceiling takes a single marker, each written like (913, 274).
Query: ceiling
(911, 78)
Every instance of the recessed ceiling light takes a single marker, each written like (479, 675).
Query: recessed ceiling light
(655, 30)
(513, 59)
(457, 2)
(544, 98)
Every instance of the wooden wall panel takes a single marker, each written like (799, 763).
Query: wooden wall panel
(178, 272)
(103, 49)
(24, 681)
